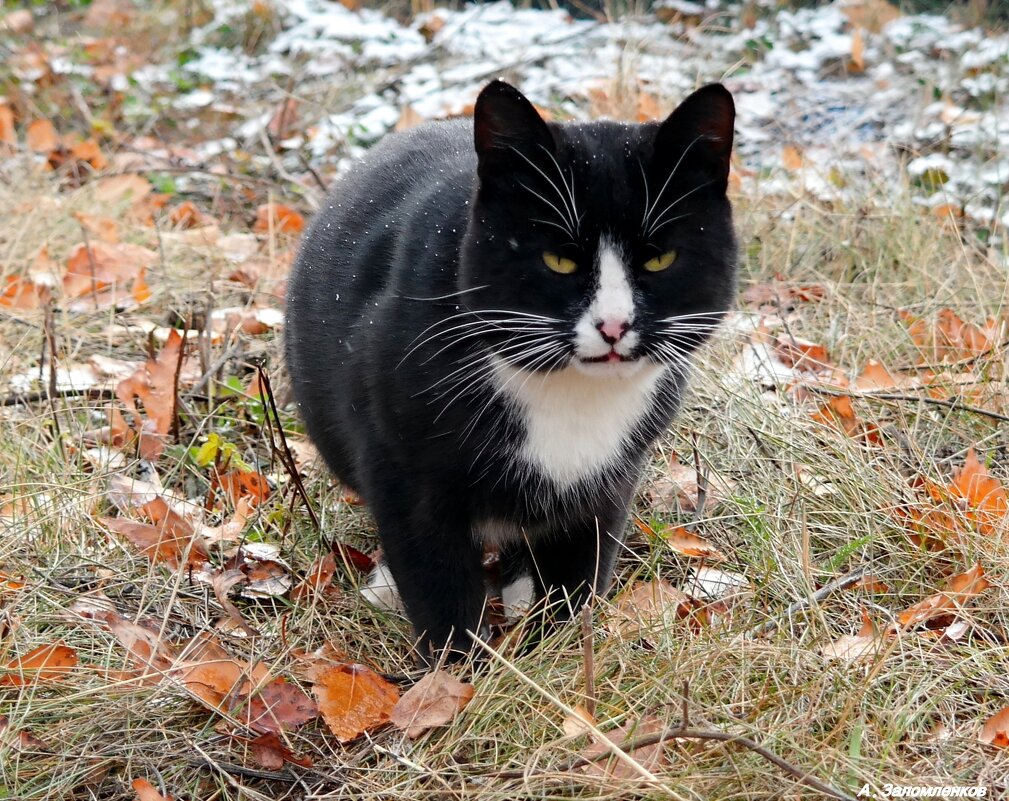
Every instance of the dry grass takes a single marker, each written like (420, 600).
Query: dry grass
(847, 724)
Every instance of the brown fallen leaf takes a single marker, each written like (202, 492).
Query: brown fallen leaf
(44, 663)
(984, 494)
(996, 729)
(278, 218)
(222, 583)
(105, 228)
(353, 699)
(154, 385)
(433, 701)
(318, 579)
(647, 606)
(41, 136)
(959, 590)
(678, 486)
(271, 752)
(683, 541)
(145, 791)
(277, 706)
(21, 740)
(853, 647)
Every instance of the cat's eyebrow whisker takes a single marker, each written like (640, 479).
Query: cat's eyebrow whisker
(570, 213)
(644, 178)
(652, 229)
(570, 189)
(569, 227)
(658, 197)
(656, 228)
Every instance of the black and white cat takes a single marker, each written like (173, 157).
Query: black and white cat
(490, 323)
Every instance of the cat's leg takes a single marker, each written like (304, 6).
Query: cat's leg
(438, 571)
(572, 563)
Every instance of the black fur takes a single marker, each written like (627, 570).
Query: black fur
(430, 232)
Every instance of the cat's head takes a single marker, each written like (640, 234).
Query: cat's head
(604, 246)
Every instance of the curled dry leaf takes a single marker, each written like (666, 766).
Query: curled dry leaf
(353, 699)
(433, 701)
(44, 663)
(222, 583)
(981, 492)
(146, 792)
(581, 722)
(689, 544)
(996, 729)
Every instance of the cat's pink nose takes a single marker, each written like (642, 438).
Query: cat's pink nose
(612, 330)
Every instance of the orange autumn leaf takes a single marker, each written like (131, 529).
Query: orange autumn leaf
(682, 541)
(41, 136)
(791, 157)
(171, 540)
(7, 134)
(105, 228)
(45, 663)
(801, 354)
(982, 492)
(959, 590)
(996, 729)
(238, 484)
(154, 385)
(353, 699)
(317, 579)
(186, 215)
(23, 293)
(279, 218)
(146, 792)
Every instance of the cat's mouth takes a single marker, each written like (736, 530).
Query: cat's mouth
(612, 356)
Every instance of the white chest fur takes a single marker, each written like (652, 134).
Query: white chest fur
(576, 423)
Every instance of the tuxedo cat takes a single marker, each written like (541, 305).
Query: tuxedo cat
(489, 324)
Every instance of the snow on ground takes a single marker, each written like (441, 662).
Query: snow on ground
(823, 104)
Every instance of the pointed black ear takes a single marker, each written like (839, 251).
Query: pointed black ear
(503, 120)
(698, 134)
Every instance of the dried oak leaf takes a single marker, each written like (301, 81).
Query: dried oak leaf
(682, 541)
(20, 739)
(353, 699)
(102, 275)
(433, 701)
(981, 492)
(44, 663)
(853, 647)
(651, 605)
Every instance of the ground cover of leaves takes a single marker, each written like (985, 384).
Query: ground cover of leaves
(817, 567)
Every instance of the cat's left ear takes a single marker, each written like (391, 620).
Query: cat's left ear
(698, 134)
(505, 121)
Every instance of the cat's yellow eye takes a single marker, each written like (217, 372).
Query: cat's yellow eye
(558, 263)
(660, 263)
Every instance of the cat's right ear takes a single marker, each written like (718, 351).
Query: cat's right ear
(505, 121)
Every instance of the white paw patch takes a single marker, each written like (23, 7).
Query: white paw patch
(381, 591)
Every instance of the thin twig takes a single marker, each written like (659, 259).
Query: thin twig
(954, 405)
(286, 457)
(37, 397)
(176, 426)
(702, 482)
(842, 583)
(50, 338)
(589, 661)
